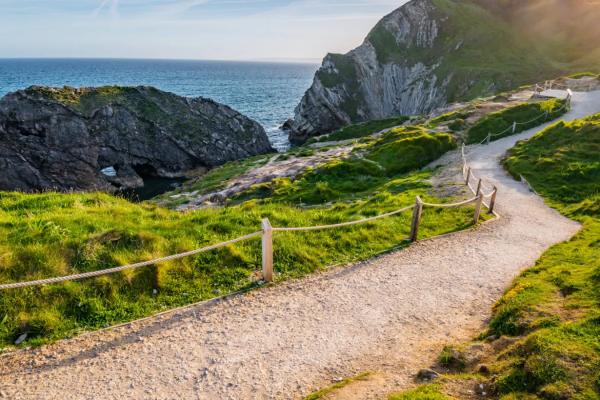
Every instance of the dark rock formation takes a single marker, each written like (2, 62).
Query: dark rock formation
(110, 138)
(429, 53)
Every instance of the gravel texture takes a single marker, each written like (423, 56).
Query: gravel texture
(390, 314)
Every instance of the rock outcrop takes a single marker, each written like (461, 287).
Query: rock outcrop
(111, 138)
(429, 53)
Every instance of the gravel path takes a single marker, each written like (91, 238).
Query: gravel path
(389, 314)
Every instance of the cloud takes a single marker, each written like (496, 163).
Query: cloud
(111, 5)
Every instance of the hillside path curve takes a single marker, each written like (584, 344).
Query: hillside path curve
(389, 314)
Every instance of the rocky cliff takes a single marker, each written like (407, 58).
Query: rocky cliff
(111, 138)
(429, 53)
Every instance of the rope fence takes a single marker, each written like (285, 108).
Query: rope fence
(267, 231)
(515, 124)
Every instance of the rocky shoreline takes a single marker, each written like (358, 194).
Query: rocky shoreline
(112, 138)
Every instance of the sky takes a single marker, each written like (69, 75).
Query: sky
(187, 29)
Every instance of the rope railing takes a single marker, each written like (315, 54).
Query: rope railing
(342, 224)
(468, 175)
(515, 124)
(93, 274)
(266, 233)
(451, 205)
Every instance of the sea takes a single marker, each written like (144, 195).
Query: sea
(267, 92)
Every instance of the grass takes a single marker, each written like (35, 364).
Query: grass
(580, 75)
(320, 394)
(551, 313)
(554, 307)
(215, 179)
(360, 130)
(377, 165)
(51, 234)
(476, 52)
(403, 149)
(455, 120)
(423, 392)
(523, 114)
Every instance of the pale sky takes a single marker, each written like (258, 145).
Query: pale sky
(189, 29)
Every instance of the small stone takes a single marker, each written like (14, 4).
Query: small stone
(154, 292)
(21, 338)
(491, 338)
(427, 375)
(483, 389)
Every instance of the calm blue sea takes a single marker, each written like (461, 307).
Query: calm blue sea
(266, 92)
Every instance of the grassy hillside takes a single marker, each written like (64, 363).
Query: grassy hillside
(429, 53)
(477, 52)
(543, 340)
(372, 165)
(555, 306)
(566, 29)
(360, 130)
(526, 115)
(47, 235)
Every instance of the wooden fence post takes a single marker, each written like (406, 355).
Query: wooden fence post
(477, 209)
(493, 201)
(468, 175)
(489, 137)
(478, 192)
(267, 250)
(514, 127)
(416, 220)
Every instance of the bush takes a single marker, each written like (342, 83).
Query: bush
(406, 149)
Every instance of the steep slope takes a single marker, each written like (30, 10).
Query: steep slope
(112, 137)
(428, 53)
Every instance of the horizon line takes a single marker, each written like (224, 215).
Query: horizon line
(257, 60)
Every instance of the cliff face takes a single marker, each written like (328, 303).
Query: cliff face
(112, 137)
(424, 55)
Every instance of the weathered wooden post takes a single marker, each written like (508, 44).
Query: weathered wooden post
(267, 250)
(493, 201)
(478, 192)
(477, 209)
(416, 220)
(489, 137)
(514, 129)
(468, 175)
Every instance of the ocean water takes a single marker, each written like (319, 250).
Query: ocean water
(266, 92)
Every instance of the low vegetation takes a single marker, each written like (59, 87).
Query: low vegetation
(360, 130)
(580, 75)
(375, 164)
(424, 392)
(544, 335)
(323, 393)
(50, 234)
(527, 116)
(217, 178)
(554, 307)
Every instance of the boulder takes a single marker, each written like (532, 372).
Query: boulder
(112, 138)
